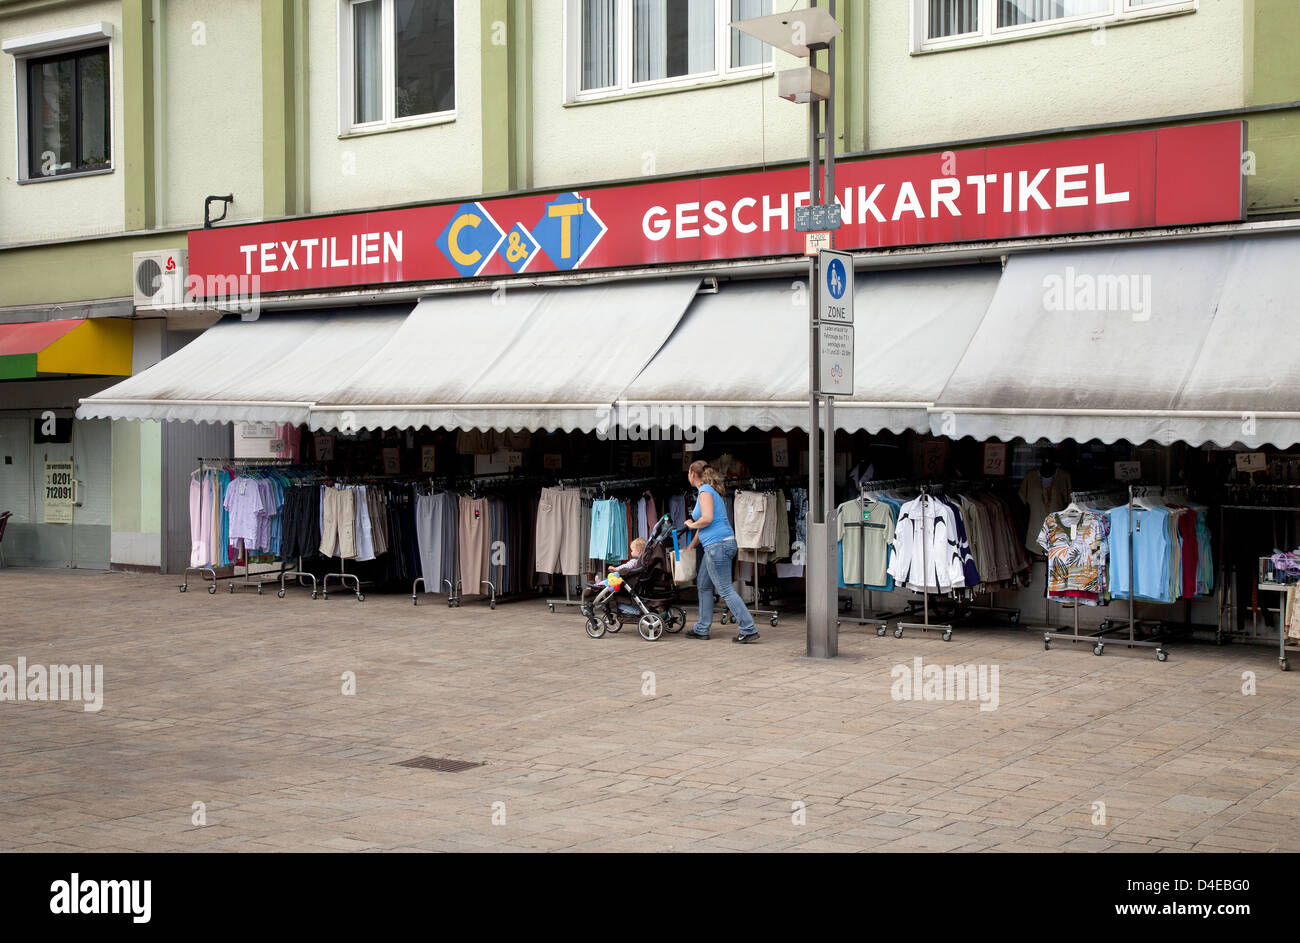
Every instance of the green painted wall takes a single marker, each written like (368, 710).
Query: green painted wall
(505, 73)
(851, 54)
(1271, 60)
(283, 27)
(139, 192)
(75, 271)
(126, 490)
(150, 476)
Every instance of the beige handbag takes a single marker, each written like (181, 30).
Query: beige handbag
(684, 568)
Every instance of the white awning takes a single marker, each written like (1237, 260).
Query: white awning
(268, 370)
(537, 358)
(1186, 341)
(740, 357)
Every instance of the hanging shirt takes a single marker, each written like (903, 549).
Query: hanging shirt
(925, 549)
(1076, 549)
(1152, 553)
(245, 504)
(865, 530)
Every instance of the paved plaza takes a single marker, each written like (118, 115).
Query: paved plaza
(237, 702)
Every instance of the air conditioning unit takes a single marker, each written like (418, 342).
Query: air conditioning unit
(158, 279)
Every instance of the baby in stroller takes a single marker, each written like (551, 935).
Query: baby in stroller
(649, 586)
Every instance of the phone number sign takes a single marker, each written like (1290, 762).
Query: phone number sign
(60, 492)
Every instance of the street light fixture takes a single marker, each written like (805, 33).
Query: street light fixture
(801, 33)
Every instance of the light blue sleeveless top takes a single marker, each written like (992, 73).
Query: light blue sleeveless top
(719, 528)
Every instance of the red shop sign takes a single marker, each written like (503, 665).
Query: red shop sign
(1163, 177)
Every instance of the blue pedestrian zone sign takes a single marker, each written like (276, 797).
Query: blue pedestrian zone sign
(835, 300)
(568, 230)
(835, 279)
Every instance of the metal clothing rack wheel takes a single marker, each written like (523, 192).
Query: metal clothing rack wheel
(300, 573)
(924, 625)
(568, 600)
(212, 574)
(343, 576)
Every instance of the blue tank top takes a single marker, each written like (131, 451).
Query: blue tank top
(719, 528)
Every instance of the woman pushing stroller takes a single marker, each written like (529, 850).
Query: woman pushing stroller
(713, 532)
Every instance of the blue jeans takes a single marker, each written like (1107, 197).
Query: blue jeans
(715, 571)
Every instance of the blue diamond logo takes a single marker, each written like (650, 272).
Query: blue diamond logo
(518, 248)
(469, 239)
(568, 230)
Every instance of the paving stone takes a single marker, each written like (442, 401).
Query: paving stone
(243, 711)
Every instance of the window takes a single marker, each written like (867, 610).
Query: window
(619, 46)
(67, 113)
(399, 62)
(946, 23)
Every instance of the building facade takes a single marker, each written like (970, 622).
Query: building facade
(120, 120)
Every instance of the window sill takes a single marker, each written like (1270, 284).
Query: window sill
(52, 177)
(1092, 27)
(404, 126)
(670, 90)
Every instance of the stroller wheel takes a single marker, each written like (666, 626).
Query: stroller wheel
(651, 626)
(595, 628)
(675, 619)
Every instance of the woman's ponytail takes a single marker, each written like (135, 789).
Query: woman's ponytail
(709, 475)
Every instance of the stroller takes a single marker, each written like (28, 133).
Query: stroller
(653, 604)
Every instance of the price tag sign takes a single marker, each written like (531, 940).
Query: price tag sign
(552, 460)
(60, 492)
(1251, 462)
(1128, 471)
(324, 448)
(640, 459)
(934, 458)
(995, 458)
(780, 452)
(392, 462)
(426, 458)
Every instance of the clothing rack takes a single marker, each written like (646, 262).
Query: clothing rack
(863, 592)
(961, 609)
(1109, 626)
(604, 484)
(212, 463)
(924, 625)
(770, 483)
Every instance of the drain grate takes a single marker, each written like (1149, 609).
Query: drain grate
(441, 764)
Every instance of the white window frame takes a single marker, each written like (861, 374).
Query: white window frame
(53, 43)
(1121, 11)
(347, 85)
(722, 68)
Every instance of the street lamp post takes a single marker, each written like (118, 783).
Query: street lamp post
(802, 33)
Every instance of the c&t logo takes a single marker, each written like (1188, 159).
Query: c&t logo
(569, 230)
(518, 248)
(469, 240)
(567, 233)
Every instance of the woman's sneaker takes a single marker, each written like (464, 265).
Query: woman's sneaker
(744, 639)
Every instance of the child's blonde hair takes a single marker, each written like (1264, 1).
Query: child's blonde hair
(636, 546)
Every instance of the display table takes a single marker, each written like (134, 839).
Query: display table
(1281, 588)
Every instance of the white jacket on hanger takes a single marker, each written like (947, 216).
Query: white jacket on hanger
(926, 555)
